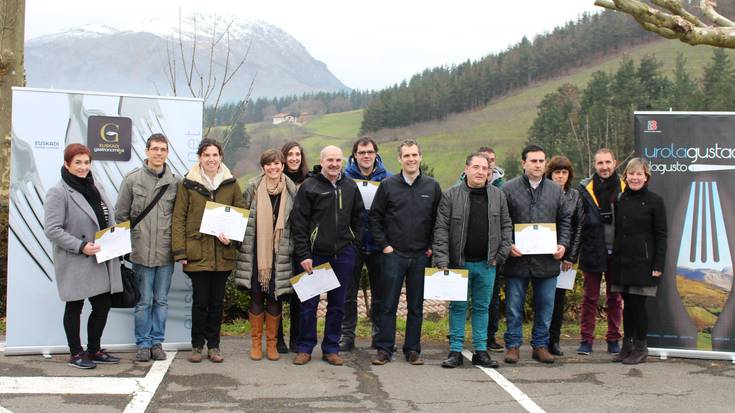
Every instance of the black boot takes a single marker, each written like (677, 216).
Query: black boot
(482, 359)
(638, 354)
(625, 350)
(454, 359)
(280, 342)
(555, 349)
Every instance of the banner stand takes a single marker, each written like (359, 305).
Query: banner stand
(47, 351)
(665, 353)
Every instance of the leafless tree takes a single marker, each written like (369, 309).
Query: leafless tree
(12, 13)
(672, 20)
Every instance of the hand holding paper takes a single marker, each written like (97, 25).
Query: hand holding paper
(113, 242)
(224, 220)
(536, 238)
(447, 284)
(321, 280)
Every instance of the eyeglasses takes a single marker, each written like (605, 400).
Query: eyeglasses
(363, 153)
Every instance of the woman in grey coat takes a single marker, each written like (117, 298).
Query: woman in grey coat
(264, 263)
(74, 210)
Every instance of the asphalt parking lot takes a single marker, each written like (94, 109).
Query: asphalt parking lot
(574, 383)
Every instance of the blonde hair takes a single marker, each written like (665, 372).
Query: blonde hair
(637, 163)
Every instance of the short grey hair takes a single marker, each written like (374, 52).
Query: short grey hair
(327, 148)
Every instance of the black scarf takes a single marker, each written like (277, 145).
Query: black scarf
(606, 190)
(86, 187)
(295, 176)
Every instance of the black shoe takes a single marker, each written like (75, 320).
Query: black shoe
(81, 361)
(281, 346)
(555, 349)
(482, 359)
(493, 346)
(346, 344)
(454, 359)
(101, 357)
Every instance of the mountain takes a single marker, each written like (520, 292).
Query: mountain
(134, 59)
(720, 279)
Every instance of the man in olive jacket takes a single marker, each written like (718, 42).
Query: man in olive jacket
(472, 231)
(326, 227)
(533, 199)
(151, 240)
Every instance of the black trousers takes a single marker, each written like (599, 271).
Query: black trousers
(635, 317)
(557, 317)
(493, 319)
(95, 323)
(206, 310)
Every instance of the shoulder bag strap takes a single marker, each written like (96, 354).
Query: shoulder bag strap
(135, 221)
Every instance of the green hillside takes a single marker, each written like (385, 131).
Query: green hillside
(503, 124)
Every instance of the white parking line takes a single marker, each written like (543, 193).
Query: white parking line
(142, 389)
(509, 387)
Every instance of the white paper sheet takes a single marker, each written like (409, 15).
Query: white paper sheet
(537, 238)
(565, 280)
(367, 190)
(449, 285)
(114, 241)
(321, 280)
(224, 219)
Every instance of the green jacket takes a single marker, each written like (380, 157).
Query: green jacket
(283, 263)
(203, 252)
(151, 238)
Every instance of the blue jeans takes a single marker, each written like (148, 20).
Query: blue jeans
(343, 265)
(395, 269)
(152, 309)
(479, 289)
(544, 290)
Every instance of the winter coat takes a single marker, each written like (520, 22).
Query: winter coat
(544, 205)
(640, 238)
(151, 238)
(246, 257)
(326, 218)
(69, 223)
(403, 215)
(450, 229)
(576, 212)
(593, 252)
(379, 174)
(202, 252)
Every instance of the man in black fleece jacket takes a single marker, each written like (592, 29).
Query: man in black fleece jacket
(402, 220)
(326, 227)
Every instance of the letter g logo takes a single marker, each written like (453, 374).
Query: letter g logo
(110, 132)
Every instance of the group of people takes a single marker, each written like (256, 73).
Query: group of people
(300, 219)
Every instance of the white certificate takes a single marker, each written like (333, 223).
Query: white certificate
(449, 285)
(533, 239)
(565, 280)
(114, 241)
(367, 190)
(224, 219)
(321, 280)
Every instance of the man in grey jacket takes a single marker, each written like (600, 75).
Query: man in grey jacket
(472, 231)
(533, 199)
(151, 238)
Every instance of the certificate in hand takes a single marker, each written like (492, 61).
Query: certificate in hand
(565, 280)
(224, 219)
(533, 239)
(114, 241)
(321, 280)
(367, 190)
(449, 285)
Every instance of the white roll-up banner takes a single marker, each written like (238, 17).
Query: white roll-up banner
(115, 127)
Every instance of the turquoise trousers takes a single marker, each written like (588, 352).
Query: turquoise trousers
(480, 289)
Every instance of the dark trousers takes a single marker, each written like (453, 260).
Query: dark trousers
(396, 268)
(349, 323)
(557, 317)
(493, 320)
(206, 310)
(95, 323)
(343, 264)
(635, 317)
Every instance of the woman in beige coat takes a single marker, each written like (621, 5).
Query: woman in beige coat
(264, 263)
(74, 210)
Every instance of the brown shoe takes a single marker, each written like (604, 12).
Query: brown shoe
(542, 355)
(196, 355)
(333, 359)
(301, 359)
(256, 333)
(414, 358)
(215, 355)
(512, 355)
(381, 358)
(271, 331)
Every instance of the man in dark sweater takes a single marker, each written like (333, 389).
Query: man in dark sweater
(402, 221)
(472, 231)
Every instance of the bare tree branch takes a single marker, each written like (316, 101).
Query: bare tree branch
(708, 8)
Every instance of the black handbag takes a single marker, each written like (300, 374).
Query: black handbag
(130, 294)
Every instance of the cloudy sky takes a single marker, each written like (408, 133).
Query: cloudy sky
(366, 44)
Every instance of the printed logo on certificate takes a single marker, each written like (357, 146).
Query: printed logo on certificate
(448, 285)
(224, 219)
(321, 280)
(113, 241)
(535, 238)
(367, 191)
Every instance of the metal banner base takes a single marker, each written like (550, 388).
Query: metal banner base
(665, 353)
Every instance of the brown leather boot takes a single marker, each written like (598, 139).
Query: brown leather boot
(542, 355)
(512, 355)
(256, 333)
(271, 333)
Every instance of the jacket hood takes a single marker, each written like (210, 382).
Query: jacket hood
(379, 173)
(195, 174)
